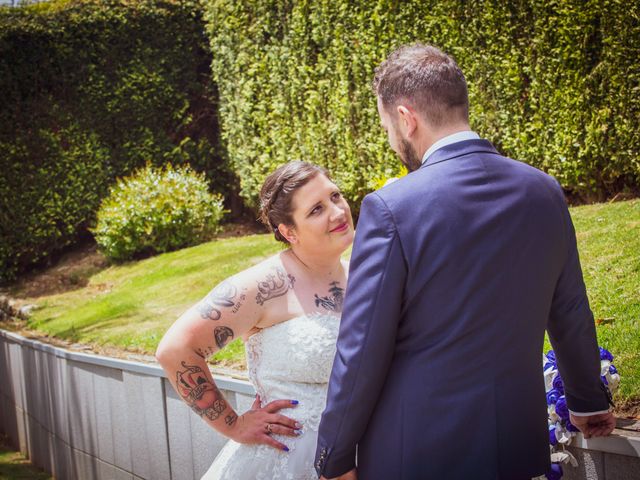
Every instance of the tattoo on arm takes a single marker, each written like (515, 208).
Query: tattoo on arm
(199, 393)
(274, 286)
(333, 302)
(223, 335)
(231, 418)
(222, 296)
(205, 352)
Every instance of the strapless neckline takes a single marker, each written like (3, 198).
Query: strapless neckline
(331, 315)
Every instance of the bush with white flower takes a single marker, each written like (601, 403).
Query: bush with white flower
(561, 430)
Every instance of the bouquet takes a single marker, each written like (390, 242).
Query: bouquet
(561, 430)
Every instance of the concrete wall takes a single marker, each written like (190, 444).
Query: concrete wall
(82, 416)
(88, 417)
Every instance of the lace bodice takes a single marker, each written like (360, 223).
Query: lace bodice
(289, 360)
(293, 360)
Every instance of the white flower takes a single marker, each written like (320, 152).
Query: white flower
(563, 435)
(553, 417)
(549, 375)
(564, 457)
(390, 181)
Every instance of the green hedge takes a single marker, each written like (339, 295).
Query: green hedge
(89, 91)
(555, 84)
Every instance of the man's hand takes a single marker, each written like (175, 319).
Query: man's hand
(599, 425)
(350, 475)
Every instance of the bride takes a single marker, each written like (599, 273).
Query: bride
(287, 309)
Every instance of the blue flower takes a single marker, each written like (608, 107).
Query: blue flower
(555, 473)
(552, 396)
(551, 356)
(571, 427)
(553, 440)
(558, 384)
(562, 409)
(605, 354)
(604, 379)
(548, 365)
(612, 370)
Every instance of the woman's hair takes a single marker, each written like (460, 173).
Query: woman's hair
(277, 192)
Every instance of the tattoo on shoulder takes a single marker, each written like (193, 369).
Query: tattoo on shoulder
(223, 335)
(334, 301)
(222, 296)
(199, 393)
(275, 285)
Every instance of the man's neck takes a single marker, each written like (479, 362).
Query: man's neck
(432, 136)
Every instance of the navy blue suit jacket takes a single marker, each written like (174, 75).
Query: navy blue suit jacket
(457, 270)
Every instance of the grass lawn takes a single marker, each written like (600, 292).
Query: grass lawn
(130, 306)
(14, 466)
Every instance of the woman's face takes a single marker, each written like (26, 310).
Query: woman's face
(322, 217)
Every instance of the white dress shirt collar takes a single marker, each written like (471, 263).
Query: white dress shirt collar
(448, 140)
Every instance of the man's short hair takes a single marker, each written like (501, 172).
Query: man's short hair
(427, 79)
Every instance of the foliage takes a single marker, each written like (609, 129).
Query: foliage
(155, 211)
(89, 91)
(555, 84)
(132, 305)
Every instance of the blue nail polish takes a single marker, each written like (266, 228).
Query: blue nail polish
(286, 449)
(298, 432)
(294, 402)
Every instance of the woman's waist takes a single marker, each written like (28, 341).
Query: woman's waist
(311, 399)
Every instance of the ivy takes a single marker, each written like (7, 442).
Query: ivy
(554, 84)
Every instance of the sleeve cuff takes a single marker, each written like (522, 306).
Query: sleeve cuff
(587, 414)
(338, 465)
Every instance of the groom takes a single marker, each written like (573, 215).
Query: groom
(457, 270)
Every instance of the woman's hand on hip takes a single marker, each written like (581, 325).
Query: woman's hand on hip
(257, 425)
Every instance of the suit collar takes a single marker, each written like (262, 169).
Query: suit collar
(459, 149)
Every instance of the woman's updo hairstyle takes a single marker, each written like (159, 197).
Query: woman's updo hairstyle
(277, 192)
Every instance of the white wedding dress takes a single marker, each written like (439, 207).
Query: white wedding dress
(290, 360)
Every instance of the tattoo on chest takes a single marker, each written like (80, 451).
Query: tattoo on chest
(223, 335)
(199, 393)
(334, 301)
(275, 285)
(222, 296)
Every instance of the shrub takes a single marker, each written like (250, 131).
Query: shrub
(157, 210)
(89, 90)
(554, 84)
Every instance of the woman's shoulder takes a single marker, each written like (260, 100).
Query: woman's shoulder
(262, 269)
(265, 280)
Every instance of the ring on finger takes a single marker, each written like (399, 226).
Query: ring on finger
(268, 427)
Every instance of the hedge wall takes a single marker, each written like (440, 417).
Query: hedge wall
(553, 83)
(90, 90)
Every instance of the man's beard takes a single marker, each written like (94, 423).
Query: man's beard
(408, 156)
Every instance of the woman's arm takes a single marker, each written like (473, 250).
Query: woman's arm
(227, 312)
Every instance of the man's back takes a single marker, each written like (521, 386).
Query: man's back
(484, 240)
(456, 271)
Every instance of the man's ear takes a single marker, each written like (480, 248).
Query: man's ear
(407, 120)
(288, 232)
